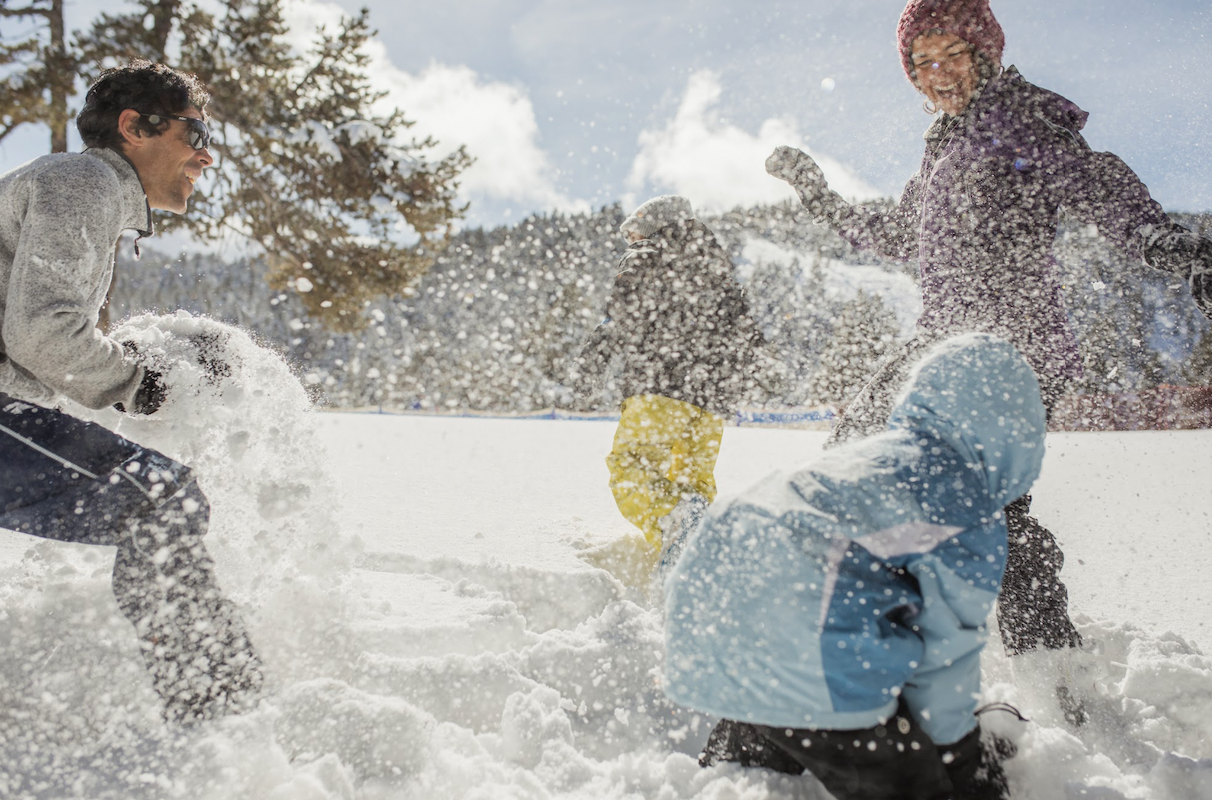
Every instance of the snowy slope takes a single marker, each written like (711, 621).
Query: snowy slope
(843, 280)
(430, 632)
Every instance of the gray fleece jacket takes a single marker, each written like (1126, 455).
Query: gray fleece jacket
(60, 219)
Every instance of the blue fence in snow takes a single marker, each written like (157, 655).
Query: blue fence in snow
(819, 418)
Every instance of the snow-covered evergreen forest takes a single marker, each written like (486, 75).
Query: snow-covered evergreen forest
(494, 324)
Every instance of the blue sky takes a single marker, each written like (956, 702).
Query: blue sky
(572, 105)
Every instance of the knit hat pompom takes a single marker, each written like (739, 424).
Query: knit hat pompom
(970, 20)
(658, 213)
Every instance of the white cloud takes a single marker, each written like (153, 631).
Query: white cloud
(497, 124)
(719, 166)
(495, 121)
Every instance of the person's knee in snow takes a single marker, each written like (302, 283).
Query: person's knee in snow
(192, 639)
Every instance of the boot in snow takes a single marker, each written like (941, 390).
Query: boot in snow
(202, 663)
(974, 766)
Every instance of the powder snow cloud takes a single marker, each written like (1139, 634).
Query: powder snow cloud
(719, 166)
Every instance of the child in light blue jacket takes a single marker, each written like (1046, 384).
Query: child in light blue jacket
(834, 615)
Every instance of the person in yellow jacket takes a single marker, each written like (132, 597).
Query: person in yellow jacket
(679, 321)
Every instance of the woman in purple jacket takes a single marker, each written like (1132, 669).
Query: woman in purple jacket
(980, 218)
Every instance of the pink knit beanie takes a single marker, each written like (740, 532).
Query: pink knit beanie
(970, 20)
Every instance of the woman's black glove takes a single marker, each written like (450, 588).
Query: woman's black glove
(1184, 253)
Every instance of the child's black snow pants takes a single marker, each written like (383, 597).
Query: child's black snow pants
(73, 481)
(894, 761)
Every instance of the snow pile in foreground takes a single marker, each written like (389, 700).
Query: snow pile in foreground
(236, 414)
(397, 675)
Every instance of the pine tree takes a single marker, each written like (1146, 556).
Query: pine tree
(791, 307)
(863, 335)
(344, 206)
(40, 69)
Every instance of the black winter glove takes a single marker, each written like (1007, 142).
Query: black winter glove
(1184, 253)
(802, 173)
(1201, 292)
(150, 394)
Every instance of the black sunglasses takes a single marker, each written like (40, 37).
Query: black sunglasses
(199, 134)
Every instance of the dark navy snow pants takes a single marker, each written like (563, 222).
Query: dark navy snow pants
(73, 481)
(66, 479)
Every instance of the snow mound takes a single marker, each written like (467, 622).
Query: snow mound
(423, 667)
(237, 415)
(1148, 700)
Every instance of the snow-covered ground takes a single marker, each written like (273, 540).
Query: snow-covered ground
(414, 585)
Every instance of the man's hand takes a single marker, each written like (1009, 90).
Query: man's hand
(150, 394)
(798, 169)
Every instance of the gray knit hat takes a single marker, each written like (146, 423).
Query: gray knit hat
(656, 214)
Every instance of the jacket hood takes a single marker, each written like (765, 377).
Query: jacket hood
(977, 394)
(688, 244)
(1010, 89)
(1013, 90)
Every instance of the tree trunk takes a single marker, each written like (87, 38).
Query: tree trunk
(61, 72)
(163, 14)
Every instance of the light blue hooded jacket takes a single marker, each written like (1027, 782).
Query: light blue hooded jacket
(822, 594)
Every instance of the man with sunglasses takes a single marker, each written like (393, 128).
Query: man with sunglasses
(66, 479)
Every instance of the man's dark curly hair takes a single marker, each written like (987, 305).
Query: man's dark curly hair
(148, 88)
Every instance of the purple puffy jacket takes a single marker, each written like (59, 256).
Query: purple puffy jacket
(981, 214)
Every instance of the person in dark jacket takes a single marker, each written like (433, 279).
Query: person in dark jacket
(833, 615)
(66, 479)
(979, 218)
(679, 322)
